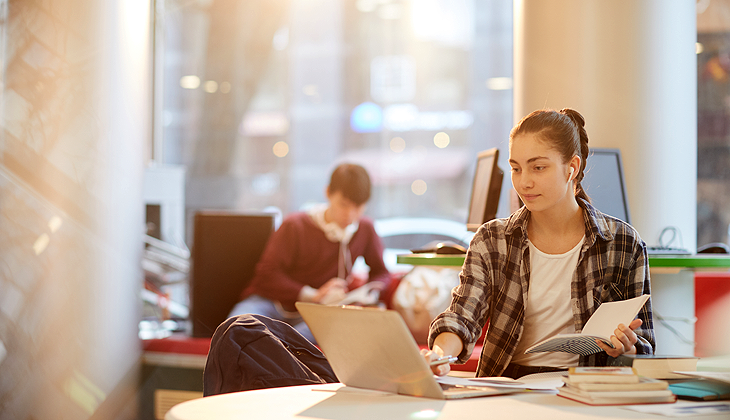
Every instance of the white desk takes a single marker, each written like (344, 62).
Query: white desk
(325, 402)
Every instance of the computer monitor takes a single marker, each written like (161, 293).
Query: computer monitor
(485, 190)
(605, 184)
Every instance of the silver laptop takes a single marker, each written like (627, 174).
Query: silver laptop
(373, 349)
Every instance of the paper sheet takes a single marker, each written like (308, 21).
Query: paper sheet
(534, 384)
(683, 409)
(717, 376)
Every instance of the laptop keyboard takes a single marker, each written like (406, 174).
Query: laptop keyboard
(660, 250)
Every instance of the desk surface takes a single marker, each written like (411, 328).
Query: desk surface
(335, 402)
(720, 261)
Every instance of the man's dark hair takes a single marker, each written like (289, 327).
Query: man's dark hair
(352, 181)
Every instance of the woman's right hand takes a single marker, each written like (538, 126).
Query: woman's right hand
(444, 344)
(431, 356)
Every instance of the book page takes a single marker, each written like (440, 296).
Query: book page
(610, 314)
(365, 295)
(569, 343)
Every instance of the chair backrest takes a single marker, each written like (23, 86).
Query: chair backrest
(226, 248)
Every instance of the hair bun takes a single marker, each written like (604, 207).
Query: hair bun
(575, 116)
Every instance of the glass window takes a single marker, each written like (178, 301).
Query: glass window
(713, 122)
(261, 99)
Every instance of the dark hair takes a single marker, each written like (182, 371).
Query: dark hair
(352, 181)
(565, 131)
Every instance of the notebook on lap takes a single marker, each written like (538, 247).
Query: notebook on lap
(373, 349)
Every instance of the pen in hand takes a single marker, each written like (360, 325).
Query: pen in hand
(444, 359)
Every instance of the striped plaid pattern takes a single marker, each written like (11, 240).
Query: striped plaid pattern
(612, 266)
(584, 345)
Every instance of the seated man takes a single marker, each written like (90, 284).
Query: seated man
(310, 257)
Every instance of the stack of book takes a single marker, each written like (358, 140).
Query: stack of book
(614, 386)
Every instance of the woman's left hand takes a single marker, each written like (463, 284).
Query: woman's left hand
(624, 339)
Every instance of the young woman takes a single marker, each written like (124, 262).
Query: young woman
(544, 270)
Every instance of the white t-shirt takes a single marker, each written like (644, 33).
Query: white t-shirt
(547, 310)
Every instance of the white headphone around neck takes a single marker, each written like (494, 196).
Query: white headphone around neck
(332, 231)
(335, 233)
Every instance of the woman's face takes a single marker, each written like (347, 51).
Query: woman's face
(539, 175)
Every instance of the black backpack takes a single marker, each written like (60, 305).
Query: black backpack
(253, 352)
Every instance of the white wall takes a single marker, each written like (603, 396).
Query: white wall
(629, 66)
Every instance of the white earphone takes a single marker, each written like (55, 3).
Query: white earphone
(570, 177)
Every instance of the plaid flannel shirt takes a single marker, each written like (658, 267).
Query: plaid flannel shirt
(612, 266)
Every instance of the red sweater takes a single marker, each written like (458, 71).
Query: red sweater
(299, 254)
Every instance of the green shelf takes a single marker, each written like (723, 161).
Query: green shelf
(686, 261)
(443, 260)
(690, 261)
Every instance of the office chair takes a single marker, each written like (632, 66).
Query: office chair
(226, 248)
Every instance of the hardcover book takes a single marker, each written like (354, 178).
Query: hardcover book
(701, 390)
(603, 375)
(601, 326)
(658, 367)
(618, 398)
(644, 384)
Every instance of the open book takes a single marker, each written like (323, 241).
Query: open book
(600, 326)
(544, 381)
(365, 295)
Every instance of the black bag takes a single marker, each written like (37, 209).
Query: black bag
(253, 352)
